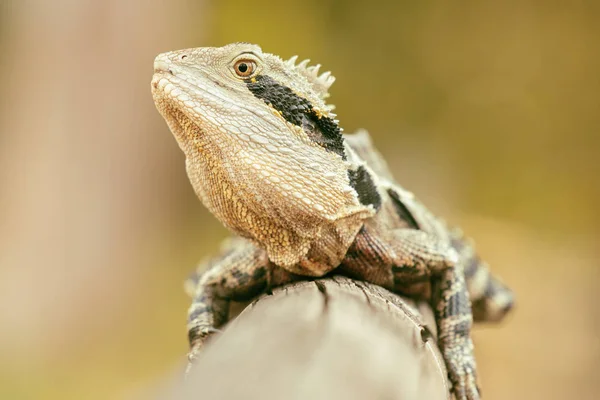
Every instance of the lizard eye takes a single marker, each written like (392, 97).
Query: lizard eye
(244, 68)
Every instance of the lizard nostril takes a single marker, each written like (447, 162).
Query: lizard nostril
(183, 57)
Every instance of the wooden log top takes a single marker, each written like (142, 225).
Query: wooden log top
(332, 338)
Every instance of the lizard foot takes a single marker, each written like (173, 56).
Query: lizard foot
(197, 345)
(462, 371)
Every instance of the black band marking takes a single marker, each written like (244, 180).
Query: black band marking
(457, 304)
(364, 186)
(298, 111)
(402, 211)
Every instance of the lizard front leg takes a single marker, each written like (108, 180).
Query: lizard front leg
(452, 307)
(407, 256)
(242, 271)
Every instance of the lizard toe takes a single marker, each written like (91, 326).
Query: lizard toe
(197, 345)
(463, 376)
(464, 386)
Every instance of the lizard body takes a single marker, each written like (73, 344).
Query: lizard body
(267, 157)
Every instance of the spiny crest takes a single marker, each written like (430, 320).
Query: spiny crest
(321, 83)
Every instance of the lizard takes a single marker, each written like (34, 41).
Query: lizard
(266, 155)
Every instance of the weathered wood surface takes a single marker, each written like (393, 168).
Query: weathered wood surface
(332, 338)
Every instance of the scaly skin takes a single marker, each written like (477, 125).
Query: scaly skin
(266, 156)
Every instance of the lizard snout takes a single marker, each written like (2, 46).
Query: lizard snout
(161, 64)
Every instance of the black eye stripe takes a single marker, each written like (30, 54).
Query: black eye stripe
(298, 111)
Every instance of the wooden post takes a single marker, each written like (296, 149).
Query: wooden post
(332, 338)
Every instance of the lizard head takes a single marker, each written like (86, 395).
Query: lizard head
(246, 88)
(263, 150)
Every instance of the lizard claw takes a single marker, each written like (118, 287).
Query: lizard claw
(197, 346)
(462, 373)
(464, 385)
(464, 382)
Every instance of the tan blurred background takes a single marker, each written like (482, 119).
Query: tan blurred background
(489, 112)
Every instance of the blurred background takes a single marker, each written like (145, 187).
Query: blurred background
(489, 111)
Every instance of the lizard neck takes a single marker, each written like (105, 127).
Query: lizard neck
(295, 238)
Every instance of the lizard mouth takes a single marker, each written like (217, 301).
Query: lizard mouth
(170, 96)
(198, 95)
(187, 101)
(186, 93)
(179, 102)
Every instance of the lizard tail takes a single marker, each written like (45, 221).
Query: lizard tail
(490, 299)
